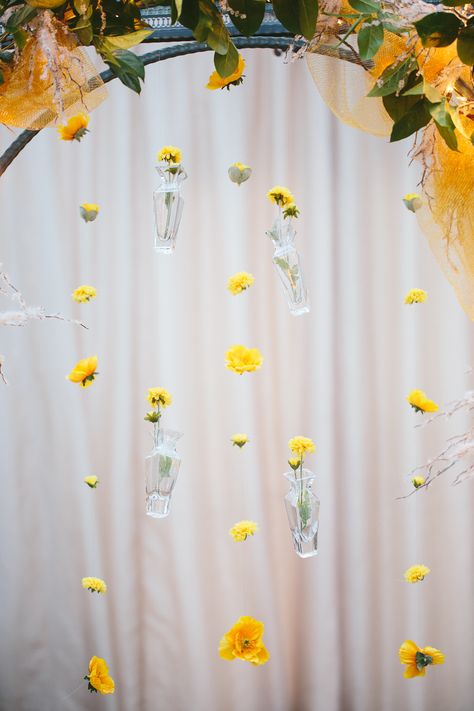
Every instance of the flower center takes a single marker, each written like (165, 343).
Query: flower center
(246, 643)
(422, 660)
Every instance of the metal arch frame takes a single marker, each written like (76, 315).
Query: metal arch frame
(271, 35)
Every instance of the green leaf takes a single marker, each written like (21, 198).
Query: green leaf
(369, 40)
(226, 64)
(130, 62)
(416, 118)
(394, 78)
(189, 14)
(178, 5)
(298, 16)
(441, 114)
(127, 66)
(465, 45)
(19, 17)
(453, 3)
(254, 10)
(439, 29)
(397, 105)
(129, 40)
(20, 36)
(448, 135)
(368, 7)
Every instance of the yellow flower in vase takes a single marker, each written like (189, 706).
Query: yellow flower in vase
(301, 446)
(280, 196)
(244, 641)
(241, 530)
(84, 293)
(89, 211)
(291, 210)
(94, 585)
(74, 129)
(416, 573)
(239, 173)
(241, 360)
(169, 154)
(418, 481)
(415, 296)
(239, 282)
(294, 462)
(417, 659)
(236, 78)
(239, 440)
(420, 402)
(159, 397)
(91, 481)
(84, 372)
(98, 677)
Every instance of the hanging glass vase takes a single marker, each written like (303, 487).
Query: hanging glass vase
(287, 264)
(162, 467)
(168, 205)
(302, 508)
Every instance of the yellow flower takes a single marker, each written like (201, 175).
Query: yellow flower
(243, 360)
(301, 445)
(159, 397)
(280, 196)
(98, 677)
(170, 154)
(244, 641)
(291, 210)
(84, 293)
(415, 296)
(413, 201)
(294, 463)
(239, 173)
(418, 659)
(239, 282)
(218, 82)
(75, 128)
(94, 585)
(420, 403)
(91, 481)
(89, 211)
(416, 573)
(239, 440)
(84, 372)
(418, 481)
(242, 529)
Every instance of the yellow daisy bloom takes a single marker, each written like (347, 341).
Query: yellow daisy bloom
(239, 440)
(169, 154)
(84, 372)
(301, 445)
(418, 481)
(241, 360)
(240, 281)
(159, 397)
(417, 659)
(98, 677)
(74, 129)
(84, 293)
(218, 82)
(94, 585)
(280, 196)
(415, 296)
(420, 402)
(242, 529)
(91, 481)
(244, 641)
(416, 573)
(89, 211)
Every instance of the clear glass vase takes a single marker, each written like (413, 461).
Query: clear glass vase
(302, 508)
(287, 264)
(162, 468)
(168, 206)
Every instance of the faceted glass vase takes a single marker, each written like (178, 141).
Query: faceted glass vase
(162, 468)
(302, 508)
(287, 264)
(168, 206)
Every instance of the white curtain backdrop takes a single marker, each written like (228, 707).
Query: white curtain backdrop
(334, 623)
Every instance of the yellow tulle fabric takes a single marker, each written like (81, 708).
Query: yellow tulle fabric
(38, 91)
(447, 215)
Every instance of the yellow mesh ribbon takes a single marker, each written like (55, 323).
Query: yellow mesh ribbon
(38, 90)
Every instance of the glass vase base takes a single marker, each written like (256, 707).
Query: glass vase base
(157, 506)
(305, 549)
(300, 310)
(164, 249)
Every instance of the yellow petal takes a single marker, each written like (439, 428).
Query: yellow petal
(407, 652)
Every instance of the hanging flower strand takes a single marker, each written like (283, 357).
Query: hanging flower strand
(99, 679)
(75, 129)
(84, 372)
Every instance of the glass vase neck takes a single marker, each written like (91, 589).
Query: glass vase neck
(171, 173)
(165, 439)
(282, 232)
(295, 477)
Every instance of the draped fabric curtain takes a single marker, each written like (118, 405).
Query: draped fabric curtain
(334, 623)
